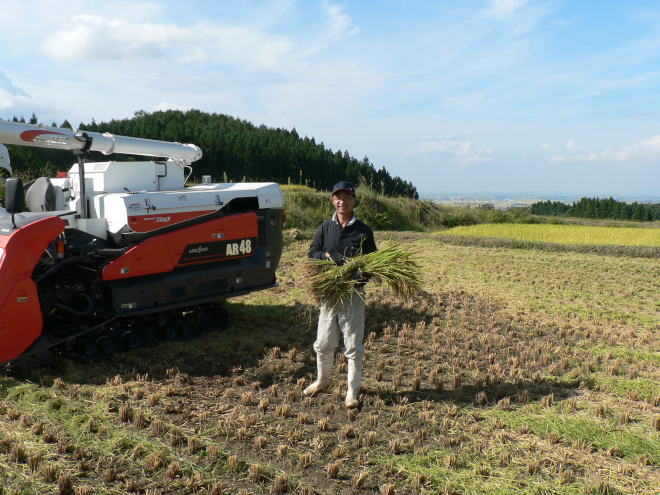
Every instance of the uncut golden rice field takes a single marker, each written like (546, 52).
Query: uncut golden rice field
(562, 234)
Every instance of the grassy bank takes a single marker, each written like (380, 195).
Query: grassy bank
(307, 208)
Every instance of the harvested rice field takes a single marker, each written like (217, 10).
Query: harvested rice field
(519, 371)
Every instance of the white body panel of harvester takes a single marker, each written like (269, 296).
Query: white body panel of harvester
(158, 207)
(156, 193)
(112, 177)
(118, 191)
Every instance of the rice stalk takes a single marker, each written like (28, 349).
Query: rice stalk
(391, 267)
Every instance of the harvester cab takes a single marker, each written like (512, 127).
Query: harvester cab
(112, 255)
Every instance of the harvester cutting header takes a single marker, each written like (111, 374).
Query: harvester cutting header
(111, 255)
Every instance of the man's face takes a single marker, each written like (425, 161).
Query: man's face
(344, 202)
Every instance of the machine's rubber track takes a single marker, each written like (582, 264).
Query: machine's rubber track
(115, 335)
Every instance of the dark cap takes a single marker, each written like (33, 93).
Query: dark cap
(343, 186)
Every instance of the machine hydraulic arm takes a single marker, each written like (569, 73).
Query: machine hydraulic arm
(68, 139)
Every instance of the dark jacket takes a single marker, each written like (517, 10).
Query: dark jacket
(348, 241)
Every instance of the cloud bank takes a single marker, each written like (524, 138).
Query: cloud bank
(462, 150)
(648, 149)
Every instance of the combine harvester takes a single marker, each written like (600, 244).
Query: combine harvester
(113, 255)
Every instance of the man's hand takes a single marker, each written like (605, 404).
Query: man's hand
(338, 258)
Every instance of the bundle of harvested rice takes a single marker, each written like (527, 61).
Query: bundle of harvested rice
(391, 266)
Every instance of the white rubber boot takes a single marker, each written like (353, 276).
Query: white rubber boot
(324, 369)
(354, 379)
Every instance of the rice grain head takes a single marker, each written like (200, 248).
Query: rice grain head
(391, 267)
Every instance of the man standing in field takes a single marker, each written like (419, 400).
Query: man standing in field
(336, 240)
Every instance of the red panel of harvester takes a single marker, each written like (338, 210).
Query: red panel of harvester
(163, 253)
(20, 311)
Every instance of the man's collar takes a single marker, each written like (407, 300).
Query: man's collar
(350, 222)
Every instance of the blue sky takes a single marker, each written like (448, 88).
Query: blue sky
(477, 96)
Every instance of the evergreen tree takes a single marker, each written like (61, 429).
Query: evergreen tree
(599, 208)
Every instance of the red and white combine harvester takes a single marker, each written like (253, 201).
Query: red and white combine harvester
(113, 255)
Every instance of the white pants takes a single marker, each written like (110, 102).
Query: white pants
(349, 319)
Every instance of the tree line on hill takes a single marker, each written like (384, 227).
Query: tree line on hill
(599, 208)
(234, 150)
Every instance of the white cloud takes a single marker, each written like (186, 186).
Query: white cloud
(95, 38)
(166, 105)
(6, 100)
(13, 98)
(570, 144)
(643, 150)
(339, 25)
(464, 151)
(243, 65)
(194, 55)
(7, 86)
(547, 147)
(627, 82)
(504, 8)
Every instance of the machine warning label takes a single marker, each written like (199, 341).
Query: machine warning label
(218, 250)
